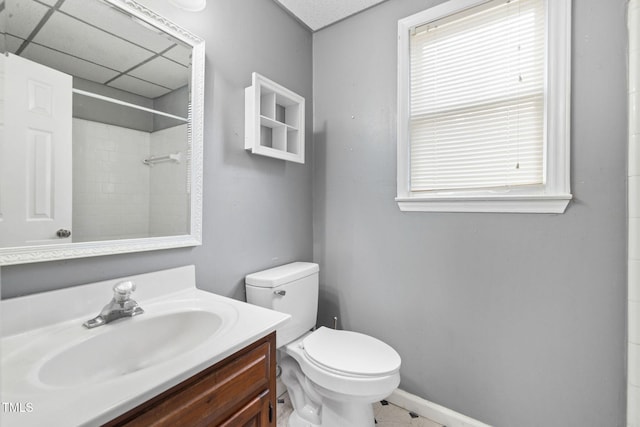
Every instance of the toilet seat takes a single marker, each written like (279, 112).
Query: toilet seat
(347, 365)
(350, 353)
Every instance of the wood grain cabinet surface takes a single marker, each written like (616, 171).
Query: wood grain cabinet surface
(239, 391)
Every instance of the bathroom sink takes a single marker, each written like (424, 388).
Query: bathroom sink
(77, 376)
(127, 346)
(66, 356)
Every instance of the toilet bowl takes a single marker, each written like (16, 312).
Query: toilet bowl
(348, 370)
(333, 376)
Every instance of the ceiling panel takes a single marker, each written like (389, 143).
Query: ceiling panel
(25, 16)
(180, 54)
(13, 43)
(84, 41)
(163, 72)
(141, 87)
(119, 24)
(68, 64)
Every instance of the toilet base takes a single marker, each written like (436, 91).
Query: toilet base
(295, 421)
(338, 414)
(350, 414)
(298, 420)
(315, 406)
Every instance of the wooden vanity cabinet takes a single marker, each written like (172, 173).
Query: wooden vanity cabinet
(239, 391)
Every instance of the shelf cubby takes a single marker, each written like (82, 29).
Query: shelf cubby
(274, 120)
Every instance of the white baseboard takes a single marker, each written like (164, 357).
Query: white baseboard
(431, 410)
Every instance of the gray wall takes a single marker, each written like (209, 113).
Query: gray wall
(513, 319)
(257, 210)
(176, 103)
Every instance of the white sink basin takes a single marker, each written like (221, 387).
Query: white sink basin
(128, 345)
(68, 356)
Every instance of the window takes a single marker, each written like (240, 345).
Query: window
(483, 107)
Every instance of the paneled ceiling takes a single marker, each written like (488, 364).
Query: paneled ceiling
(93, 41)
(317, 14)
(96, 42)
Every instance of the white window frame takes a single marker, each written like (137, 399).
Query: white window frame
(555, 194)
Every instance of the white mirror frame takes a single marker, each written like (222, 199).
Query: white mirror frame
(30, 254)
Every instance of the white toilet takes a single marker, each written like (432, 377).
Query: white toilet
(333, 376)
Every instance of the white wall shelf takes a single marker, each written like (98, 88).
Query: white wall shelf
(274, 120)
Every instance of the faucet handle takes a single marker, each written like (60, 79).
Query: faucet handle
(122, 290)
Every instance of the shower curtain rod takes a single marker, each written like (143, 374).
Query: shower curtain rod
(127, 104)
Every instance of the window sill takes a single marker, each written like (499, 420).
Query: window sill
(496, 203)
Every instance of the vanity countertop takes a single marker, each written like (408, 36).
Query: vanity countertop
(41, 332)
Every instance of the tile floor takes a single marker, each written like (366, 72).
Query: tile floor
(386, 415)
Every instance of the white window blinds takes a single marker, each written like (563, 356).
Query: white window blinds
(477, 98)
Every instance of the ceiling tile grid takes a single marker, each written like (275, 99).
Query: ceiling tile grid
(96, 42)
(76, 37)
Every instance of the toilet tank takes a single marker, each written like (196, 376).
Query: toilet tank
(291, 289)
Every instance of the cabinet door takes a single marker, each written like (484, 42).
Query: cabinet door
(215, 396)
(237, 392)
(256, 413)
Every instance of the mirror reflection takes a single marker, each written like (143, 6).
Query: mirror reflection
(96, 125)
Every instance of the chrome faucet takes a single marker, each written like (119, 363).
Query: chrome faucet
(120, 306)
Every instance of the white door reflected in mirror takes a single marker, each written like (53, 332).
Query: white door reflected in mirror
(35, 196)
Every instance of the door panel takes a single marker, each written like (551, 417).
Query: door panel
(35, 154)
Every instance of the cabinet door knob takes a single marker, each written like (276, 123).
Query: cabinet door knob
(63, 234)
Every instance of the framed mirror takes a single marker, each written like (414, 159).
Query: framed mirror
(102, 129)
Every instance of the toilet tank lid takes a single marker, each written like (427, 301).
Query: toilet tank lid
(280, 275)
